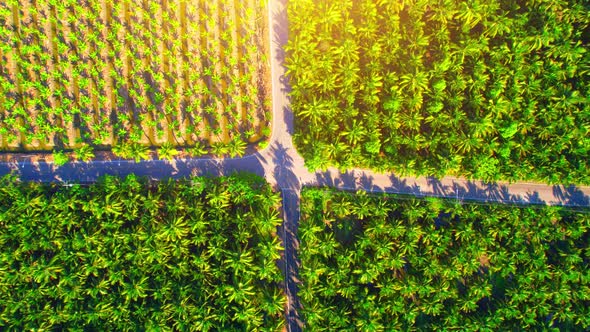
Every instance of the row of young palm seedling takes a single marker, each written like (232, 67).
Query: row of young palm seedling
(131, 76)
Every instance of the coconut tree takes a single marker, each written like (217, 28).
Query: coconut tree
(167, 151)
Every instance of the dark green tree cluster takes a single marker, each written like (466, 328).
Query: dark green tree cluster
(127, 255)
(483, 89)
(392, 263)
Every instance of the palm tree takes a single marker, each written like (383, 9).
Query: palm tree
(354, 133)
(198, 149)
(219, 148)
(60, 158)
(167, 151)
(236, 147)
(267, 221)
(314, 111)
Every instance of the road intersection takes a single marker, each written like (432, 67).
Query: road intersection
(283, 167)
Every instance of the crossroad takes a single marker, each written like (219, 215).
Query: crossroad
(283, 167)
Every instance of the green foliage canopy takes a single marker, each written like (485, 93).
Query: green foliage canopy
(126, 255)
(393, 263)
(483, 89)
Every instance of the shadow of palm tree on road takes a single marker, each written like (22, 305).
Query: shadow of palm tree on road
(290, 187)
(479, 191)
(281, 38)
(284, 168)
(153, 169)
(571, 195)
(349, 180)
(291, 263)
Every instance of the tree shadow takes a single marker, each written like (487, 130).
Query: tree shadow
(290, 262)
(280, 22)
(571, 195)
(485, 192)
(7, 168)
(472, 191)
(349, 180)
(367, 183)
(89, 172)
(534, 198)
(401, 186)
(438, 188)
(289, 120)
(153, 169)
(218, 167)
(283, 168)
(343, 181)
(290, 186)
(280, 40)
(479, 191)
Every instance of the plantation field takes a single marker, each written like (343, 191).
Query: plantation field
(395, 263)
(125, 255)
(134, 74)
(481, 89)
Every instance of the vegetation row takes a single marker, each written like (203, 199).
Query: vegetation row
(482, 89)
(393, 263)
(129, 75)
(127, 255)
